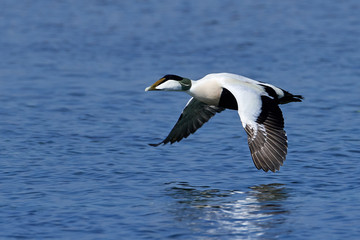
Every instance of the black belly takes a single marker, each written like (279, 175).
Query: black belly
(227, 100)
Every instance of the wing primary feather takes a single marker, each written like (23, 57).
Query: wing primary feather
(155, 144)
(194, 115)
(266, 138)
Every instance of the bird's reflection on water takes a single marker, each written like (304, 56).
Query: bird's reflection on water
(257, 212)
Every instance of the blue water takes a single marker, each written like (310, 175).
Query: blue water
(75, 120)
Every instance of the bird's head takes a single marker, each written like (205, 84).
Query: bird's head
(170, 83)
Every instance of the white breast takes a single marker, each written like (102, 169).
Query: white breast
(207, 90)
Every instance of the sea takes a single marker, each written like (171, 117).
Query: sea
(75, 121)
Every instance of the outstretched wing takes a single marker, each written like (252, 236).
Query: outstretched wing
(267, 139)
(264, 124)
(194, 115)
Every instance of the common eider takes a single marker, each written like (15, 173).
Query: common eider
(256, 103)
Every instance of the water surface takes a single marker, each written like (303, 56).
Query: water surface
(75, 121)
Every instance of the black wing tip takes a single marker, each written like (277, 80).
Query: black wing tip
(274, 169)
(266, 167)
(156, 144)
(161, 143)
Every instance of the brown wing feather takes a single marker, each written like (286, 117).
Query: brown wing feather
(268, 141)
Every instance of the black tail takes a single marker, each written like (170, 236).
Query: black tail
(288, 97)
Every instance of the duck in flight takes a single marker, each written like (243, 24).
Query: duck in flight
(256, 103)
